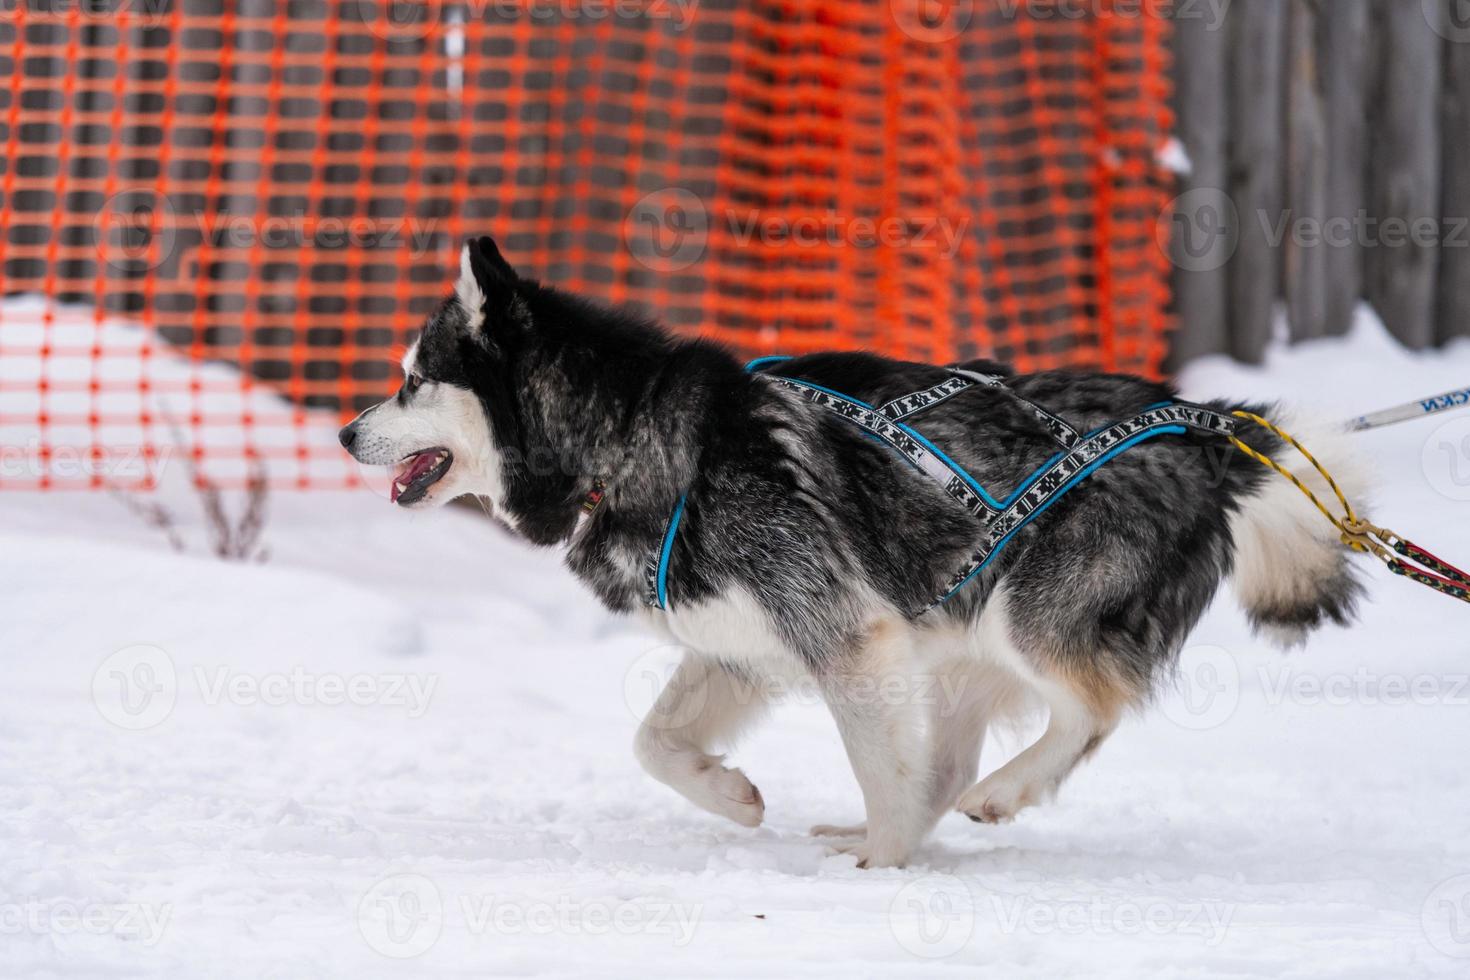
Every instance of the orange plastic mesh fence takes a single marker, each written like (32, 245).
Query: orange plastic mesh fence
(220, 214)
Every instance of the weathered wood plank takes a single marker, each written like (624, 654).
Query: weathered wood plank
(1257, 62)
(1304, 247)
(1453, 314)
(1345, 65)
(1201, 106)
(1402, 260)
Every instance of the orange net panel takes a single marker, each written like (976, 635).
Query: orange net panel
(219, 215)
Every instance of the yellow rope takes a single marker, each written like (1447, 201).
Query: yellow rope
(1356, 533)
(1342, 523)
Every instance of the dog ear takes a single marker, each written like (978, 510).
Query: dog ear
(487, 283)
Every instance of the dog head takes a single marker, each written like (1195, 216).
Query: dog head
(527, 396)
(436, 432)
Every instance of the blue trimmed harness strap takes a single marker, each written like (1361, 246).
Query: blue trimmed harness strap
(1055, 478)
(656, 571)
(905, 405)
(1081, 455)
(912, 446)
(1060, 431)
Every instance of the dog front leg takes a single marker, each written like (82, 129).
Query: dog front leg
(874, 698)
(702, 705)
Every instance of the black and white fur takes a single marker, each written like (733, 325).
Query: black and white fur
(803, 542)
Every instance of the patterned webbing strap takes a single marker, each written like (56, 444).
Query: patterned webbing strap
(1048, 485)
(1060, 431)
(912, 404)
(919, 451)
(915, 402)
(1080, 456)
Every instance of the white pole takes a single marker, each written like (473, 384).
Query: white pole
(1412, 410)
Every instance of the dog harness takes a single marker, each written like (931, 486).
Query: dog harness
(1078, 456)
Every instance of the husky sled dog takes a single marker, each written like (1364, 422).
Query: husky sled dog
(863, 524)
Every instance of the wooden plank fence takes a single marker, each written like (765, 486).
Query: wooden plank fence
(1329, 143)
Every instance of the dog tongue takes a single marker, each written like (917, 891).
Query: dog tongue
(420, 465)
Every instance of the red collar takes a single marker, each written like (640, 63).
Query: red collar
(594, 497)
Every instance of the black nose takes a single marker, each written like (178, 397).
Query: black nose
(348, 435)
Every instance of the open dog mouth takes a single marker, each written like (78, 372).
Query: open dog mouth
(417, 472)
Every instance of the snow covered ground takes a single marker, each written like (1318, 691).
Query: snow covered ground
(400, 747)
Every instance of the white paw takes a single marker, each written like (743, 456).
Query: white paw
(729, 794)
(872, 854)
(839, 830)
(996, 800)
(702, 780)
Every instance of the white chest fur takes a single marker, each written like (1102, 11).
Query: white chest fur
(733, 628)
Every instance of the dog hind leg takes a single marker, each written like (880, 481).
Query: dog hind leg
(976, 696)
(1082, 686)
(1082, 713)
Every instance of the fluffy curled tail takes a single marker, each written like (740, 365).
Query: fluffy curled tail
(1292, 571)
